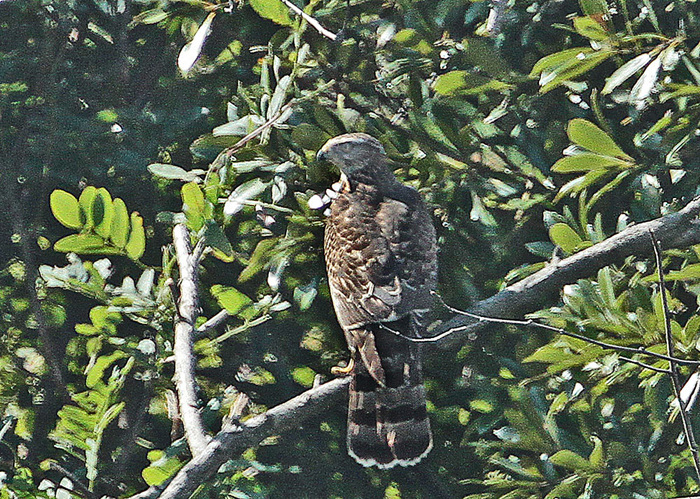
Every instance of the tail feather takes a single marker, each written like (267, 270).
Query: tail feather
(388, 424)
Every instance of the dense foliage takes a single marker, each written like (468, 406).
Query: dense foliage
(105, 144)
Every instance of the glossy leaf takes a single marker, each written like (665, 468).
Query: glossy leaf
(119, 232)
(273, 10)
(172, 172)
(86, 201)
(65, 209)
(586, 162)
(103, 212)
(586, 134)
(137, 238)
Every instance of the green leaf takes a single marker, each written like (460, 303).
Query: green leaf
(217, 240)
(65, 209)
(589, 136)
(230, 298)
(103, 362)
(565, 237)
(466, 83)
(688, 273)
(304, 296)
(590, 28)
(137, 238)
(86, 244)
(151, 16)
(571, 461)
(586, 162)
(161, 469)
(258, 259)
(449, 83)
(305, 376)
(567, 65)
(556, 59)
(597, 457)
(119, 232)
(273, 10)
(86, 205)
(193, 205)
(103, 212)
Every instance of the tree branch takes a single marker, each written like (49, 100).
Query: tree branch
(235, 438)
(311, 20)
(675, 230)
(183, 350)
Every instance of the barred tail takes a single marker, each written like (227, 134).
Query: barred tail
(388, 424)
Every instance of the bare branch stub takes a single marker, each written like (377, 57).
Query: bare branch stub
(185, 360)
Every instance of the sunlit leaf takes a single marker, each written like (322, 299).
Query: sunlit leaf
(565, 237)
(191, 51)
(586, 134)
(274, 10)
(230, 298)
(86, 244)
(66, 209)
(644, 86)
(173, 172)
(137, 238)
(586, 162)
(119, 232)
(86, 205)
(624, 72)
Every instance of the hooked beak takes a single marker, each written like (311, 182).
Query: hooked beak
(321, 155)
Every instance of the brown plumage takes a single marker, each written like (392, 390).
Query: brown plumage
(381, 258)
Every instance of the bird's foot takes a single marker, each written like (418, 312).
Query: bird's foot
(344, 371)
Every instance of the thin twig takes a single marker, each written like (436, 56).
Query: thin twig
(311, 20)
(645, 366)
(273, 120)
(213, 322)
(183, 350)
(533, 323)
(673, 365)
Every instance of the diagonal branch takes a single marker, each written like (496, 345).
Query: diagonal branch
(235, 438)
(675, 230)
(311, 20)
(532, 293)
(185, 359)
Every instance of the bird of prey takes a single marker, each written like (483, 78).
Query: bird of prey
(381, 259)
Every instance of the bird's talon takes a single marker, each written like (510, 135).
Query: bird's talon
(344, 371)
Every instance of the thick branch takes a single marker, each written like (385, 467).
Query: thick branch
(185, 359)
(673, 231)
(234, 439)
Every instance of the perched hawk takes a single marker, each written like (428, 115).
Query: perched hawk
(381, 259)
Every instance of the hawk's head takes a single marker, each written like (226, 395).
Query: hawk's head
(353, 152)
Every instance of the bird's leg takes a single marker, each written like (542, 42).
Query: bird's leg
(344, 371)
